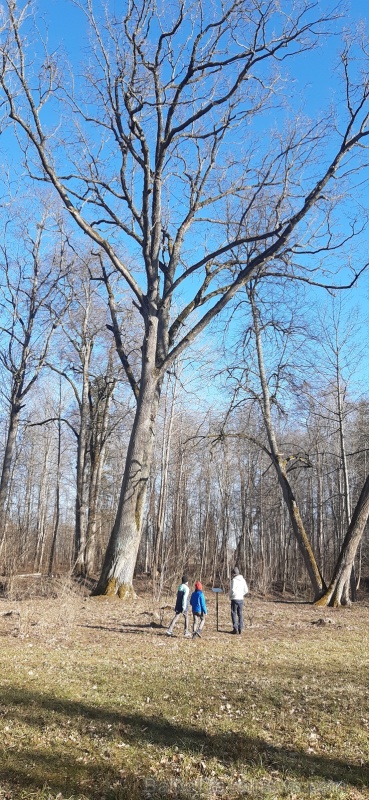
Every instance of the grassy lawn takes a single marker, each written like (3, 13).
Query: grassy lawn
(97, 704)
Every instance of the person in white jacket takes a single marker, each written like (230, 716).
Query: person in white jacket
(238, 590)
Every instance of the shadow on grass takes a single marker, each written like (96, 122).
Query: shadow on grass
(125, 627)
(31, 764)
(108, 628)
(292, 602)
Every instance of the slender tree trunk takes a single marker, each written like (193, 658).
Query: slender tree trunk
(346, 484)
(150, 519)
(351, 583)
(359, 567)
(57, 496)
(319, 511)
(179, 501)
(98, 435)
(90, 548)
(7, 466)
(160, 519)
(262, 576)
(82, 447)
(204, 503)
(279, 462)
(240, 553)
(42, 511)
(316, 579)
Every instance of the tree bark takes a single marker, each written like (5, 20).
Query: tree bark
(82, 448)
(7, 464)
(157, 565)
(120, 559)
(335, 594)
(99, 422)
(57, 496)
(42, 507)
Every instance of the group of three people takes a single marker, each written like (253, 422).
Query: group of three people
(237, 591)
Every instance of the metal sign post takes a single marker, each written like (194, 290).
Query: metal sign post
(217, 593)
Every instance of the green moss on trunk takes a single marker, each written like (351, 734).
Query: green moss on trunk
(113, 588)
(126, 591)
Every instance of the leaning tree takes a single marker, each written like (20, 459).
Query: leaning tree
(174, 150)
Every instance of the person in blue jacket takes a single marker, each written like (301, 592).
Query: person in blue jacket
(199, 611)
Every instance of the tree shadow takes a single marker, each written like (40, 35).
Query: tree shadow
(37, 770)
(108, 628)
(36, 766)
(125, 627)
(142, 625)
(285, 601)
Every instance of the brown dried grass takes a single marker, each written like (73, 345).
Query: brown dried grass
(98, 703)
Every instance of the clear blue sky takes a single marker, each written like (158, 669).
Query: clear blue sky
(314, 75)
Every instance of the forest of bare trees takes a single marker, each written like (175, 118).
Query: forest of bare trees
(213, 496)
(182, 252)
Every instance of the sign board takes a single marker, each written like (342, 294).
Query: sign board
(217, 592)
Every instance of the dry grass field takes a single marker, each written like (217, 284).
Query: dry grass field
(96, 702)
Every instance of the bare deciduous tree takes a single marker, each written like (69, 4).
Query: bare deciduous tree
(156, 152)
(33, 302)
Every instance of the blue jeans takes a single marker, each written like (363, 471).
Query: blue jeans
(236, 614)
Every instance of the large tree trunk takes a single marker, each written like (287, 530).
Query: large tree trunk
(336, 595)
(120, 559)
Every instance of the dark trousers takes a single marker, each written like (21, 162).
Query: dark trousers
(236, 614)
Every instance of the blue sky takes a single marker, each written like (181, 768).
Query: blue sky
(314, 75)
